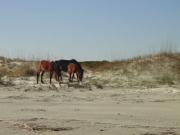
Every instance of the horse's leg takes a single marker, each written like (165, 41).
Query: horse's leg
(70, 77)
(51, 74)
(37, 78)
(56, 76)
(59, 76)
(78, 76)
(42, 77)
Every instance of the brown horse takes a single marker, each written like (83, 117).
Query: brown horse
(45, 66)
(72, 69)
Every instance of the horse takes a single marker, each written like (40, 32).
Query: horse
(45, 66)
(62, 65)
(72, 69)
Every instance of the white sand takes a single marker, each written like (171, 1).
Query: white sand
(30, 109)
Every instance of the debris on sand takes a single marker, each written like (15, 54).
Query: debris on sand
(40, 128)
(5, 81)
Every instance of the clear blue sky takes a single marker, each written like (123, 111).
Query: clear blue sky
(88, 29)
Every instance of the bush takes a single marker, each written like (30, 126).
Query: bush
(166, 78)
(26, 69)
(97, 84)
(3, 71)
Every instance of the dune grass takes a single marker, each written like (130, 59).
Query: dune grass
(17, 67)
(151, 70)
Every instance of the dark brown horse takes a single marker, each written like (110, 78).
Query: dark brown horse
(74, 69)
(45, 66)
(62, 65)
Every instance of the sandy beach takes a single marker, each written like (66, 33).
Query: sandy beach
(28, 108)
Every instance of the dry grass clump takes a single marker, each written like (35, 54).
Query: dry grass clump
(96, 65)
(3, 71)
(16, 67)
(97, 83)
(26, 69)
(145, 71)
(166, 78)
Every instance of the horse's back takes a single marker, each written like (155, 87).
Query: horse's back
(45, 65)
(63, 64)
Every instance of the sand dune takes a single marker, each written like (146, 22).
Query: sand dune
(140, 96)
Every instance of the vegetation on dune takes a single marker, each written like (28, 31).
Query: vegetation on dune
(146, 71)
(17, 67)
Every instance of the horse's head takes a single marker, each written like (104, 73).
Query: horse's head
(81, 74)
